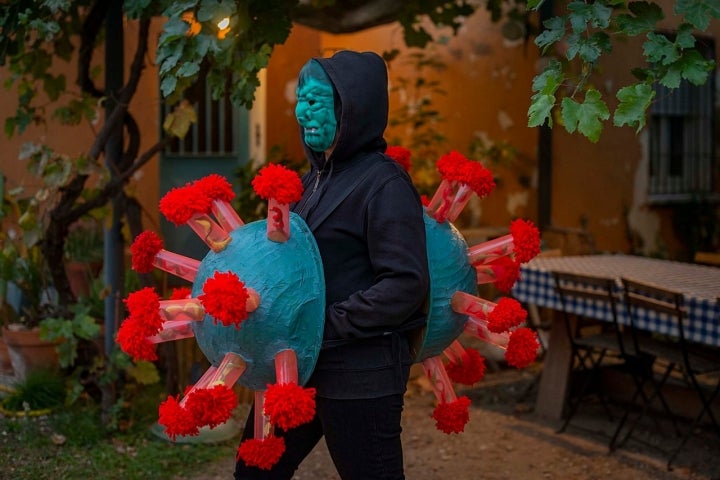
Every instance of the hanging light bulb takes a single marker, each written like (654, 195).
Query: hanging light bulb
(224, 23)
(223, 28)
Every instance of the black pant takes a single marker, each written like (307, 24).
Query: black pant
(362, 436)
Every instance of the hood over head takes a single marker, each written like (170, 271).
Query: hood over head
(361, 105)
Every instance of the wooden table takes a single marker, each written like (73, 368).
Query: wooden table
(699, 284)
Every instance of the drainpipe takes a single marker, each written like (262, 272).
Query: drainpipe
(113, 254)
(544, 151)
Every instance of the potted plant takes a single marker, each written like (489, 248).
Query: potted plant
(29, 299)
(83, 255)
(29, 295)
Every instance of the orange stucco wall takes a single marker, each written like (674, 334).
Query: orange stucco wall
(488, 83)
(78, 140)
(603, 185)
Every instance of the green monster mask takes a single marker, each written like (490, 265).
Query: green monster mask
(315, 109)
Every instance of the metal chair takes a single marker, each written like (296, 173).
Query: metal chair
(594, 344)
(685, 359)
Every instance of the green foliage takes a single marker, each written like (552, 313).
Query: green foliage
(35, 36)
(85, 242)
(192, 40)
(39, 390)
(69, 331)
(74, 443)
(587, 29)
(585, 117)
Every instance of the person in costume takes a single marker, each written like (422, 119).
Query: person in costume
(367, 219)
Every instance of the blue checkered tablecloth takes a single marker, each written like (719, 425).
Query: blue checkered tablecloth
(699, 284)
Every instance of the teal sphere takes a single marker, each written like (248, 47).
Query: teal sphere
(289, 280)
(450, 272)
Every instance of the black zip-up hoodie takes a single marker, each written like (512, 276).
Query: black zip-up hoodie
(367, 219)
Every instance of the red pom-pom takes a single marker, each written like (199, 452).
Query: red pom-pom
(215, 187)
(211, 406)
(180, 293)
(425, 200)
(526, 240)
(506, 271)
(175, 419)
(451, 166)
(143, 250)
(278, 182)
(400, 154)
(262, 453)
(289, 405)
(508, 313)
(479, 178)
(522, 348)
(134, 342)
(451, 417)
(469, 370)
(507, 275)
(225, 298)
(455, 167)
(181, 203)
(144, 305)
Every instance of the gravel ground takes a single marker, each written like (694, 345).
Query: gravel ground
(506, 440)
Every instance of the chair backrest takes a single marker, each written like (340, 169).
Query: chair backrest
(588, 287)
(653, 297)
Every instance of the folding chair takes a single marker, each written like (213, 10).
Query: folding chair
(687, 359)
(594, 344)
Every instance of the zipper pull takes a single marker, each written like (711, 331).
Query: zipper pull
(317, 181)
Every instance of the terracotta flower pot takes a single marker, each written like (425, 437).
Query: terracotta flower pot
(28, 352)
(5, 363)
(80, 275)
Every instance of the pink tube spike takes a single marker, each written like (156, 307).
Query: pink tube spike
(209, 231)
(487, 251)
(229, 371)
(178, 265)
(466, 304)
(182, 309)
(441, 201)
(203, 382)
(286, 370)
(442, 387)
(278, 221)
(485, 274)
(173, 330)
(262, 426)
(478, 329)
(462, 196)
(253, 301)
(226, 215)
(455, 352)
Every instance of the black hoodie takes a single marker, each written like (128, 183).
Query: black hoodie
(367, 219)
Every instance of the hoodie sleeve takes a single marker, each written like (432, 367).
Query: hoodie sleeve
(395, 233)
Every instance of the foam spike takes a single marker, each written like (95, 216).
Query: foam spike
(286, 369)
(441, 384)
(209, 231)
(278, 221)
(226, 215)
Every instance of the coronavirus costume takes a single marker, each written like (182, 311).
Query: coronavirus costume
(262, 327)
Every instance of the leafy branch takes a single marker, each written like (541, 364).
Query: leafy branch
(586, 32)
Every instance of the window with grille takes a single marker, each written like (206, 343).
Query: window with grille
(215, 133)
(681, 138)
